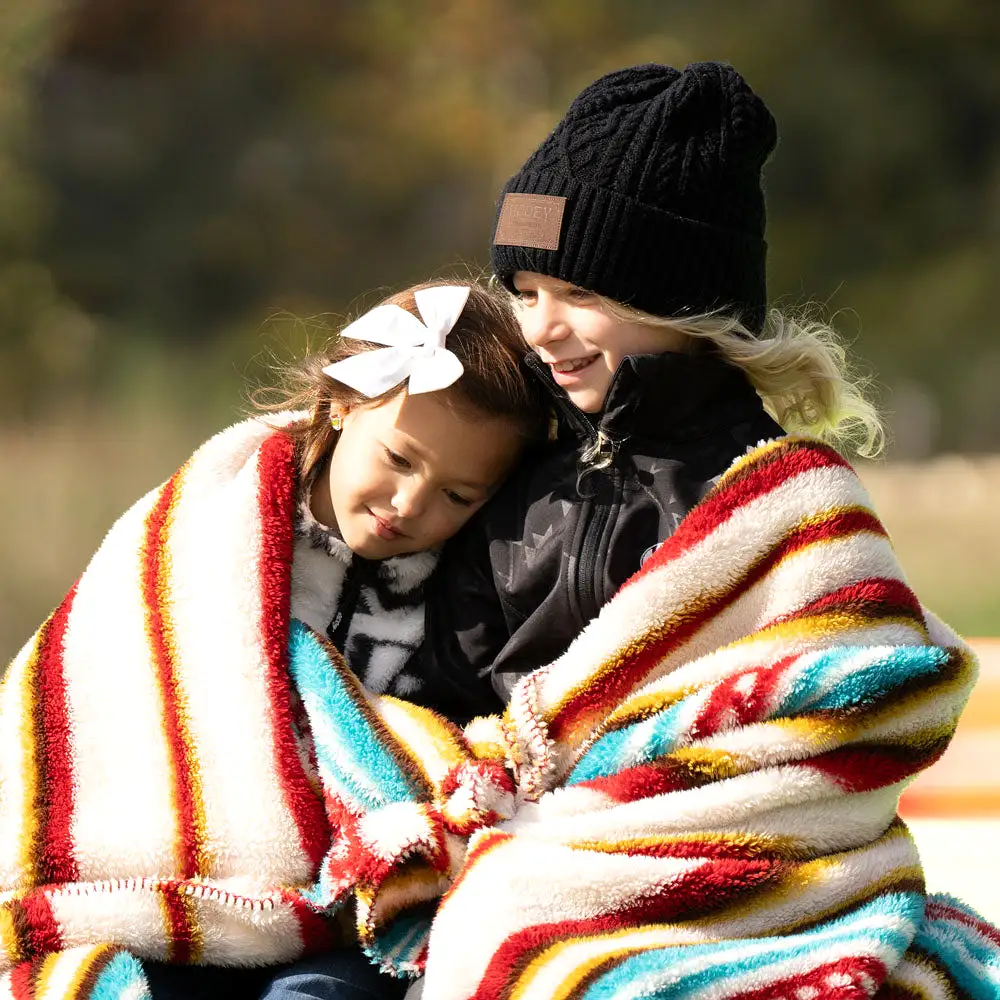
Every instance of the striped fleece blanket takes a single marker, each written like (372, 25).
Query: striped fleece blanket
(153, 793)
(696, 800)
(175, 752)
(708, 777)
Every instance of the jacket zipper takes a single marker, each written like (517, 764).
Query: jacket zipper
(587, 585)
(590, 596)
(585, 591)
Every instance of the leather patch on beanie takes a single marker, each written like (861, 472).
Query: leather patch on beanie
(530, 220)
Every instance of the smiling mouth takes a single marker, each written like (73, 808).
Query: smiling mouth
(569, 367)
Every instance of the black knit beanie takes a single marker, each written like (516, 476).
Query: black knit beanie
(649, 192)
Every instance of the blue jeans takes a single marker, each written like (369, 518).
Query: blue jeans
(345, 974)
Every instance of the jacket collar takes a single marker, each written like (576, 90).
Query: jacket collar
(666, 396)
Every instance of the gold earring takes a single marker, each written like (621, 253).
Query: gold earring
(336, 421)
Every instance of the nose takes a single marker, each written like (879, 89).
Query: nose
(409, 497)
(544, 322)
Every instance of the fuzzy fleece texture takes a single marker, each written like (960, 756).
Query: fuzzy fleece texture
(708, 778)
(158, 797)
(697, 800)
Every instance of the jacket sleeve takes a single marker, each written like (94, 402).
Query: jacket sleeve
(465, 629)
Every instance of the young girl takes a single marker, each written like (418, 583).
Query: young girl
(158, 791)
(633, 240)
(733, 680)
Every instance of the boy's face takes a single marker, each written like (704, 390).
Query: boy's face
(406, 474)
(569, 329)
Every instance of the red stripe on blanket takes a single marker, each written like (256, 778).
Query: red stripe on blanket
(775, 469)
(189, 844)
(276, 500)
(861, 769)
(890, 596)
(740, 700)
(183, 939)
(620, 675)
(853, 978)
(318, 933)
(40, 932)
(644, 781)
(854, 769)
(941, 911)
(690, 895)
(22, 981)
(54, 859)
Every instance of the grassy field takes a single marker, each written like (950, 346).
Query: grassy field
(62, 486)
(943, 519)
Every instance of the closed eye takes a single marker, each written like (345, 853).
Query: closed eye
(457, 498)
(396, 459)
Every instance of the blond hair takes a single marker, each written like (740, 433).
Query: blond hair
(799, 367)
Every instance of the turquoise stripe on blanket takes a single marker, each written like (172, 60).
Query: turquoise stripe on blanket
(401, 944)
(888, 923)
(638, 743)
(121, 978)
(971, 961)
(350, 752)
(831, 679)
(821, 685)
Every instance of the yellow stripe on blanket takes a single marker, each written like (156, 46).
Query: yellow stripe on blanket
(28, 814)
(9, 937)
(87, 968)
(579, 972)
(433, 747)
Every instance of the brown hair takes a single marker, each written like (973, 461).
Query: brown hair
(487, 340)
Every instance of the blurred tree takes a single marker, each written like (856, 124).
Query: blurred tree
(176, 171)
(221, 156)
(34, 314)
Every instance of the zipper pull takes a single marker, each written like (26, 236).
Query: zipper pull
(597, 456)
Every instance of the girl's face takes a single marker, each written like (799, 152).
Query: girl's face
(582, 344)
(407, 473)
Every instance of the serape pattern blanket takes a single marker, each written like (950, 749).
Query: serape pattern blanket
(708, 778)
(697, 800)
(162, 794)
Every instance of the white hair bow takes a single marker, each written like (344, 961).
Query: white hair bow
(415, 350)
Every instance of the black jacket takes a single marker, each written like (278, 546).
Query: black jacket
(536, 564)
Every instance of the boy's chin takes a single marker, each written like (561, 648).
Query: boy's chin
(587, 400)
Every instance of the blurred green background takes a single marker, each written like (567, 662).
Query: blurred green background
(188, 188)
